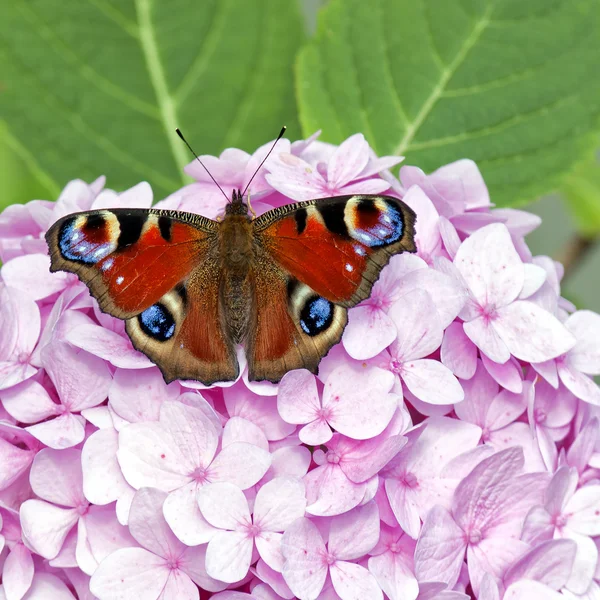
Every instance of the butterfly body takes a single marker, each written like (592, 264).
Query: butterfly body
(191, 289)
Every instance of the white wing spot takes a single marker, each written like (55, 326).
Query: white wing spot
(119, 280)
(349, 267)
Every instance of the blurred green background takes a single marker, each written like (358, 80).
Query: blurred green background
(97, 87)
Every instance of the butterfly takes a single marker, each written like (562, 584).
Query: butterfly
(190, 289)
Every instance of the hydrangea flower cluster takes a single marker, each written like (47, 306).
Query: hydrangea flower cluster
(448, 449)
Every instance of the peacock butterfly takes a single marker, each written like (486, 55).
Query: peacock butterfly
(190, 288)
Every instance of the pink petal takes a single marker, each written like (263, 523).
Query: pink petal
(137, 395)
(45, 585)
(581, 450)
(149, 456)
(103, 481)
(492, 555)
(526, 589)
(548, 371)
(329, 492)
(441, 548)
(480, 390)
(297, 397)
(304, 570)
(179, 587)
(148, 526)
(348, 160)
(583, 511)
(509, 375)
(419, 327)
(268, 545)
(228, 556)
(366, 186)
(393, 574)
(130, 573)
(223, 505)
(65, 431)
(17, 573)
(20, 321)
(46, 526)
(491, 266)
(507, 407)
(550, 563)
(531, 333)
(354, 533)
(279, 503)
(580, 385)
(183, 515)
(295, 178)
(14, 461)
(31, 274)
(192, 562)
(432, 382)
(358, 401)
(29, 402)
(404, 506)
(369, 331)
(241, 464)
(108, 345)
(354, 582)
(586, 559)
(238, 429)
(56, 476)
(484, 336)
(315, 433)
(585, 356)
(458, 353)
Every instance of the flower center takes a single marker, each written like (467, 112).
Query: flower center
(395, 366)
(488, 312)
(253, 530)
(329, 558)
(394, 547)
(560, 521)
(199, 475)
(539, 414)
(333, 458)
(474, 537)
(323, 414)
(173, 563)
(23, 358)
(410, 480)
(83, 508)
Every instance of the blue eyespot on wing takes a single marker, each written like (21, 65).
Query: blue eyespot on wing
(316, 315)
(157, 322)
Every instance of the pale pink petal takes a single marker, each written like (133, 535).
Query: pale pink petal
(148, 526)
(527, 589)
(548, 371)
(419, 327)
(550, 563)
(297, 397)
(585, 356)
(192, 562)
(358, 401)
(366, 186)
(304, 570)
(238, 429)
(223, 505)
(291, 461)
(584, 566)
(183, 515)
(369, 331)
(394, 576)
(449, 236)
(268, 545)
(241, 464)
(17, 573)
(441, 548)
(583, 511)
(492, 555)
(316, 433)
(458, 353)
(491, 266)
(509, 375)
(45, 586)
(354, 582)
(29, 402)
(194, 434)
(46, 526)
(103, 481)
(149, 456)
(279, 503)
(579, 384)
(179, 587)
(506, 407)
(329, 492)
(130, 573)
(404, 506)
(137, 395)
(484, 336)
(31, 274)
(432, 382)
(354, 533)
(582, 449)
(56, 476)
(14, 461)
(531, 333)
(65, 431)
(348, 160)
(295, 178)
(228, 556)
(108, 345)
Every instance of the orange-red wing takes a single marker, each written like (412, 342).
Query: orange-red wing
(337, 246)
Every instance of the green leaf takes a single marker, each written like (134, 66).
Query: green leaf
(99, 86)
(512, 84)
(581, 190)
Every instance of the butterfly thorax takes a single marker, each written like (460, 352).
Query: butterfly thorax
(237, 255)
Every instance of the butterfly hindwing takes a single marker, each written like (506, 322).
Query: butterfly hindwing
(159, 271)
(324, 257)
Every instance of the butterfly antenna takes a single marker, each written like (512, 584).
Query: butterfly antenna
(264, 159)
(198, 159)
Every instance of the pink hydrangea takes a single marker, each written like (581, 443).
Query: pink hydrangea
(448, 448)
